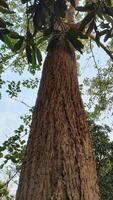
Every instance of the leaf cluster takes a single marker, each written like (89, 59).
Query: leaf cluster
(4, 193)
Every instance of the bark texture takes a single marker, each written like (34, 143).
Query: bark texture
(58, 163)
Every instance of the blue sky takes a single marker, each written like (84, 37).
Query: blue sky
(11, 110)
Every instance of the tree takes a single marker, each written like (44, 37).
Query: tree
(59, 147)
(58, 162)
(61, 108)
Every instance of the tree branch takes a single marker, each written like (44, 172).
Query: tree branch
(103, 47)
(22, 102)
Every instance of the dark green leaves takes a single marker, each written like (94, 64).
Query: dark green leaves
(4, 193)
(15, 35)
(45, 13)
(14, 147)
(7, 35)
(1, 154)
(2, 23)
(18, 44)
(38, 55)
(87, 21)
(29, 53)
(74, 37)
(33, 53)
(71, 36)
(13, 88)
(25, 1)
(108, 10)
(87, 8)
(76, 43)
(108, 35)
(5, 11)
(4, 4)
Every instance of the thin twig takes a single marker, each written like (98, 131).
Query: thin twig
(12, 177)
(103, 47)
(20, 101)
(96, 65)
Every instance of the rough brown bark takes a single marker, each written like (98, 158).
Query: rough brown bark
(58, 163)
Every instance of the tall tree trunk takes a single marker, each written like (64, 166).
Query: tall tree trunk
(58, 163)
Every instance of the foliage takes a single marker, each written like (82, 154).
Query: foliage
(4, 193)
(103, 149)
(13, 149)
(100, 90)
(47, 16)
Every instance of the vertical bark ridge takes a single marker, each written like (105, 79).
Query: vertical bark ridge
(58, 163)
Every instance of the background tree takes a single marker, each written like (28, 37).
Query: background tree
(103, 149)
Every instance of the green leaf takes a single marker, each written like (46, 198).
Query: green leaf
(76, 33)
(76, 43)
(107, 36)
(5, 11)
(2, 148)
(90, 28)
(87, 8)
(4, 31)
(15, 35)
(1, 166)
(2, 23)
(33, 58)
(89, 17)
(39, 56)
(8, 41)
(18, 45)
(9, 24)
(25, 1)
(29, 53)
(108, 10)
(4, 4)
(1, 155)
(72, 35)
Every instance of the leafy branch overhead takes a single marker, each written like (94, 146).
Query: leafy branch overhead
(48, 19)
(47, 14)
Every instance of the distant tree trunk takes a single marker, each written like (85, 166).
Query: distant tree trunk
(58, 163)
